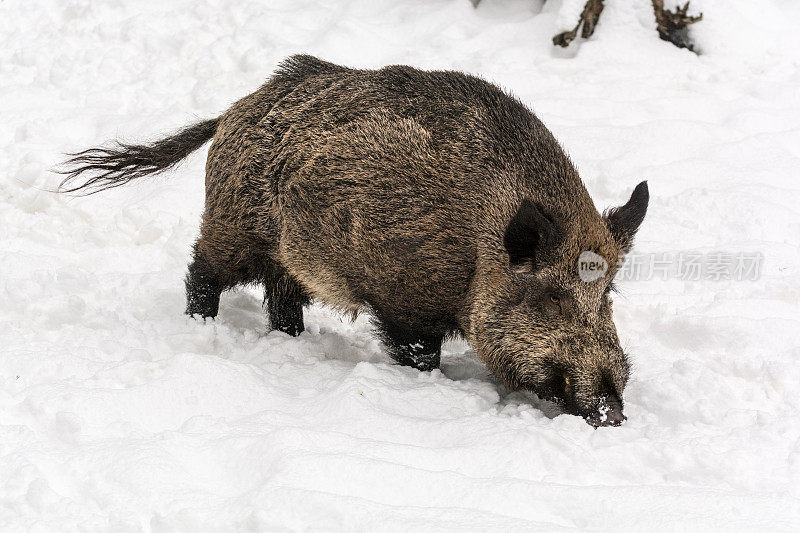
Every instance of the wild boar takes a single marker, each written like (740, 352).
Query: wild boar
(432, 200)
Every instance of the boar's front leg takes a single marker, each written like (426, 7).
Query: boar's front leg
(409, 346)
(284, 300)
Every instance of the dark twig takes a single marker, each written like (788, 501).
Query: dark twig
(672, 26)
(589, 17)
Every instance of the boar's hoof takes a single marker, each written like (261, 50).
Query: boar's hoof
(413, 356)
(285, 316)
(203, 289)
(202, 300)
(422, 355)
(284, 300)
(409, 346)
(292, 328)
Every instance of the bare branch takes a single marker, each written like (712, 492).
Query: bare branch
(672, 26)
(589, 17)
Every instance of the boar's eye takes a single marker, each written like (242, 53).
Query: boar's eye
(567, 387)
(557, 388)
(553, 303)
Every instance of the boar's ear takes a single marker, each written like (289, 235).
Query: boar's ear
(530, 235)
(624, 221)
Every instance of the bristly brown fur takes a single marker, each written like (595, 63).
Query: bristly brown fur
(433, 200)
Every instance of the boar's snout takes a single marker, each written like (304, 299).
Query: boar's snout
(607, 413)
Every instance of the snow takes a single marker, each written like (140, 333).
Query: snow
(119, 413)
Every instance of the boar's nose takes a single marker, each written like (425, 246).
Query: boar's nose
(608, 413)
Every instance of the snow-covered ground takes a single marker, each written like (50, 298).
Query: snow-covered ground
(118, 412)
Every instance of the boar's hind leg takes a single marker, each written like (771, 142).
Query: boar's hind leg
(409, 347)
(203, 288)
(284, 300)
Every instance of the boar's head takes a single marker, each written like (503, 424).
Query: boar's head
(543, 321)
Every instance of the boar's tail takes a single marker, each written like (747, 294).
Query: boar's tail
(106, 168)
